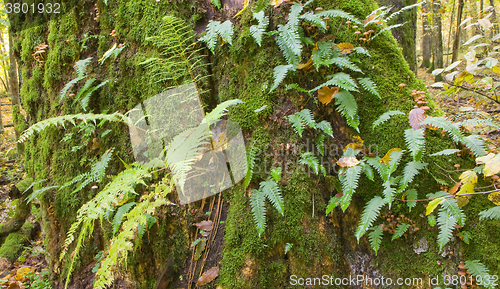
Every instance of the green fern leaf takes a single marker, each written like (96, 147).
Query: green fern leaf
(293, 16)
(388, 193)
(394, 160)
(81, 66)
(319, 142)
(446, 224)
(477, 122)
(257, 31)
(68, 86)
(411, 195)
(386, 29)
(280, 73)
(288, 40)
(347, 106)
(479, 271)
(301, 119)
(226, 31)
(349, 179)
(367, 170)
(381, 168)
(402, 10)
(37, 193)
(361, 50)
(339, 79)
(375, 238)
(332, 204)
(492, 213)
(370, 213)
(446, 152)
(220, 110)
(385, 117)
(369, 86)
(452, 209)
(214, 29)
(344, 62)
(258, 205)
(272, 192)
(415, 141)
(400, 230)
(309, 159)
(314, 20)
(476, 144)
(410, 171)
(276, 174)
(324, 54)
(117, 219)
(339, 14)
(216, 3)
(326, 127)
(452, 129)
(251, 156)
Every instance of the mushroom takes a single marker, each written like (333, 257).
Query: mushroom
(425, 108)
(461, 273)
(348, 22)
(357, 34)
(462, 265)
(355, 27)
(370, 33)
(463, 286)
(401, 85)
(326, 18)
(319, 8)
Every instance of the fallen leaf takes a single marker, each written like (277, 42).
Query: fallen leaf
(454, 189)
(347, 162)
(345, 47)
(208, 276)
(15, 285)
(492, 167)
(21, 273)
(416, 116)
(495, 198)
(326, 94)
(204, 225)
(387, 156)
(307, 65)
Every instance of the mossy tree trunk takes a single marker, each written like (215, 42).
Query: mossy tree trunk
(437, 38)
(407, 34)
(426, 45)
(321, 244)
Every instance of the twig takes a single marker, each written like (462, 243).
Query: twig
(474, 90)
(449, 196)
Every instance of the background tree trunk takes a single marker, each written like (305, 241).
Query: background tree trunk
(426, 44)
(437, 39)
(456, 41)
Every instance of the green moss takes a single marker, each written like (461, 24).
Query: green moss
(13, 246)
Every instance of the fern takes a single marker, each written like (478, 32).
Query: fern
(415, 141)
(62, 120)
(112, 52)
(394, 160)
(120, 188)
(369, 86)
(387, 29)
(309, 159)
(411, 195)
(370, 213)
(479, 271)
(381, 168)
(476, 144)
(361, 50)
(220, 110)
(402, 10)
(117, 219)
(216, 3)
(314, 19)
(80, 69)
(214, 29)
(385, 117)
(446, 152)
(349, 179)
(276, 174)
(400, 230)
(257, 31)
(388, 193)
(446, 224)
(347, 106)
(442, 123)
(301, 119)
(288, 40)
(339, 14)
(452, 208)
(344, 62)
(258, 205)
(280, 73)
(323, 54)
(492, 213)
(251, 153)
(375, 238)
(37, 193)
(86, 91)
(339, 79)
(319, 142)
(326, 127)
(477, 122)
(410, 171)
(272, 192)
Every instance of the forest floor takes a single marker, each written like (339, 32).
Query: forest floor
(29, 270)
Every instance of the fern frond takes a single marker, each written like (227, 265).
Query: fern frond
(411, 195)
(349, 180)
(410, 171)
(476, 144)
(279, 74)
(491, 213)
(258, 205)
(388, 193)
(276, 174)
(446, 224)
(309, 159)
(347, 106)
(257, 31)
(381, 168)
(442, 123)
(415, 141)
(314, 19)
(361, 50)
(394, 160)
(251, 152)
(288, 40)
(326, 127)
(400, 230)
(215, 28)
(81, 66)
(402, 10)
(385, 117)
(452, 209)
(479, 271)
(387, 29)
(319, 142)
(293, 16)
(370, 213)
(369, 86)
(117, 219)
(272, 192)
(339, 14)
(37, 193)
(344, 62)
(478, 122)
(375, 238)
(301, 119)
(72, 118)
(220, 110)
(446, 152)
(339, 79)
(68, 86)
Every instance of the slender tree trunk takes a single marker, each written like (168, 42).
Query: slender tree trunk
(456, 41)
(481, 7)
(448, 43)
(437, 39)
(427, 38)
(494, 29)
(13, 83)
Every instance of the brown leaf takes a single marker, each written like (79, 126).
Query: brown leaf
(208, 276)
(347, 162)
(387, 156)
(204, 225)
(454, 189)
(345, 47)
(495, 198)
(307, 65)
(15, 285)
(416, 116)
(326, 94)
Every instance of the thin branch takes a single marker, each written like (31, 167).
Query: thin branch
(474, 90)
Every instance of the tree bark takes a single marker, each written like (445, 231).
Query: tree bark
(448, 43)
(437, 39)
(456, 41)
(426, 44)
(13, 81)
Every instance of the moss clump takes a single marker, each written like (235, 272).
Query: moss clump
(13, 246)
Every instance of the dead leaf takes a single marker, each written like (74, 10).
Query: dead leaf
(21, 273)
(454, 189)
(354, 146)
(495, 198)
(15, 285)
(347, 162)
(208, 276)
(326, 94)
(307, 65)
(204, 225)
(492, 164)
(345, 47)
(387, 156)
(416, 116)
